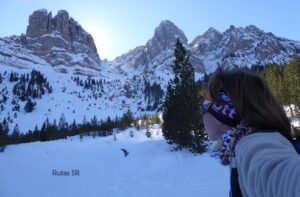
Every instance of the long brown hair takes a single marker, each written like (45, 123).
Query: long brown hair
(252, 99)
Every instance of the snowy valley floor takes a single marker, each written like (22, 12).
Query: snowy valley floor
(150, 169)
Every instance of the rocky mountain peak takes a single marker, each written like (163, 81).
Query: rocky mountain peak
(39, 22)
(59, 39)
(165, 36)
(168, 29)
(158, 53)
(206, 42)
(212, 31)
(243, 46)
(61, 23)
(253, 28)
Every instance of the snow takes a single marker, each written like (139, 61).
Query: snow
(295, 122)
(249, 54)
(113, 102)
(289, 110)
(150, 169)
(14, 55)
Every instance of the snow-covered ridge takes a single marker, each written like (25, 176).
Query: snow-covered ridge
(157, 55)
(243, 47)
(60, 41)
(236, 47)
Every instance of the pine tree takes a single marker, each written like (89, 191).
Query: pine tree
(47, 122)
(36, 134)
(84, 121)
(54, 126)
(126, 120)
(182, 122)
(5, 127)
(73, 127)
(3, 138)
(85, 125)
(62, 124)
(11, 77)
(94, 123)
(16, 134)
(277, 83)
(292, 75)
(43, 133)
(29, 107)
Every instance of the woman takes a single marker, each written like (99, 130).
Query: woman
(253, 132)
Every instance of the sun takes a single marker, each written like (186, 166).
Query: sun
(101, 38)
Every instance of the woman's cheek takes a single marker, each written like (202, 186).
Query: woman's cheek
(209, 127)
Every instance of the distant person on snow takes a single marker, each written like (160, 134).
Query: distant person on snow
(253, 133)
(125, 152)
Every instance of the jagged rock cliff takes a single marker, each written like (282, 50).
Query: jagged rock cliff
(58, 40)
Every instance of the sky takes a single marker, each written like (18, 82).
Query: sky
(118, 26)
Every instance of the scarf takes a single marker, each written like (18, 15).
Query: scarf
(225, 148)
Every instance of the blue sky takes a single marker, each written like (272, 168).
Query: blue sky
(120, 25)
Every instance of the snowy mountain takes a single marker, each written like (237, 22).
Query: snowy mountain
(61, 42)
(157, 55)
(236, 47)
(240, 47)
(83, 85)
(98, 167)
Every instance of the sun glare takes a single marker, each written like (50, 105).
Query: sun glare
(101, 38)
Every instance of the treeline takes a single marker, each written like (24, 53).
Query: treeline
(33, 85)
(26, 88)
(153, 95)
(284, 82)
(90, 83)
(61, 129)
(96, 86)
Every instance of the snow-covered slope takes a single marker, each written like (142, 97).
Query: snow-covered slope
(111, 95)
(150, 169)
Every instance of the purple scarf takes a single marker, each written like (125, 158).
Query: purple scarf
(225, 147)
